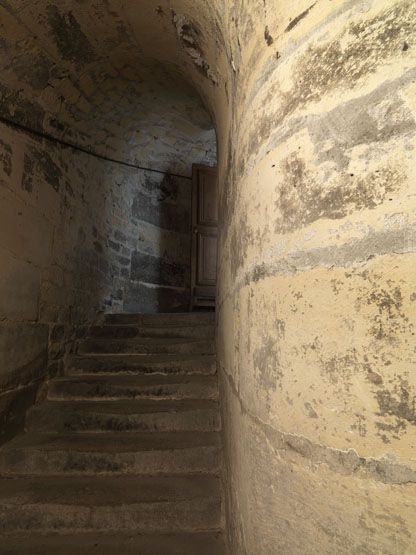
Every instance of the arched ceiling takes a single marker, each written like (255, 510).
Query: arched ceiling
(122, 77)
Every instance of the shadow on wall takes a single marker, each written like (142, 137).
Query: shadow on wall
(160, 264)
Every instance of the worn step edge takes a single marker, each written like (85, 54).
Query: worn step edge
(131, 331)
(94, 454)
(106, 491)
(197, 460)
(91, 386)
(133, 416)
(188, 514)
(140, 364)
(147, 347)
(107, 543)
(110, 503)
(161, 319)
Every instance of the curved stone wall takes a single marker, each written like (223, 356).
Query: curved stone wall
(317, 275)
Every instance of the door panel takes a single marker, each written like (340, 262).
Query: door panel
(207, 199)
(207, 259)
(204, 241)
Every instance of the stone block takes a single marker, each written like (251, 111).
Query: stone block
(157, 270)
(19, 288)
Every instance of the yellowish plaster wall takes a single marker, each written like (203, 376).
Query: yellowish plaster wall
(317, 281)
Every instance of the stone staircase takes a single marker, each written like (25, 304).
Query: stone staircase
(124, 454)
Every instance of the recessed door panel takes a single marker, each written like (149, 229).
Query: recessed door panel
(207, 259)
(207, 199)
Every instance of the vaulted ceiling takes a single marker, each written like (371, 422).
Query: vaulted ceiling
(124, 78)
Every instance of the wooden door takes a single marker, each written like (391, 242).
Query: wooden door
(204, 236)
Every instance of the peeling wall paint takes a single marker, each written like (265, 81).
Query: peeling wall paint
(317, 272)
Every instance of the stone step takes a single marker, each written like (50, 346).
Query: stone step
(118, 387)
(131, 331)
(148, 345)
(200, 543)
(158, 320)
(119, 453)
(124, 416)
(141, 364)
(110, 503)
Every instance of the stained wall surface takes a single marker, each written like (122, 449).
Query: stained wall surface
(314, 105)
(317, 280)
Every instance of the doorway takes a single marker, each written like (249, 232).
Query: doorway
(204, 236)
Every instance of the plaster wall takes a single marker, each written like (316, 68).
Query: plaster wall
(316, 306)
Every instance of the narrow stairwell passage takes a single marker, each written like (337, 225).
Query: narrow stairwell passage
(124, 454)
